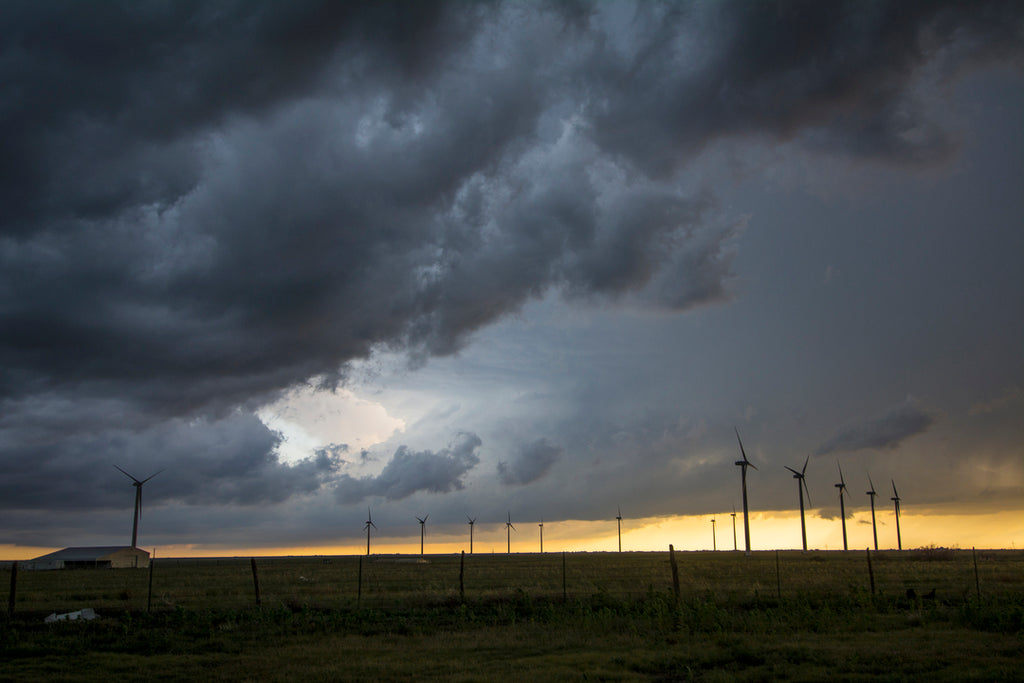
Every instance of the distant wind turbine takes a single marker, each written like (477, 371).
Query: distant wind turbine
(369, 523)
(871, 494)
(896, 499)
(714, 536)
(743, 465)
(734, 546)
(842, 507)
(471, 521)
(801, 486)
(618, 518)
(138, 501)
(508, 532)
(541, 525)
(423, 530)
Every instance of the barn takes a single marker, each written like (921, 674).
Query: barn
(103, 557)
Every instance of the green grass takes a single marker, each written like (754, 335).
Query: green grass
(735, 619)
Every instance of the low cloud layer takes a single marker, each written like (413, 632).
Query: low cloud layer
(530, 464)
(882, 432)
(408, 472)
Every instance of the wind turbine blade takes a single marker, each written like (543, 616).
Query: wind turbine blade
(806, 460)
(127, 475)
(872, 491)
(894, 492)
(842, 481)
(150, 477)
(798, 474)
(806, 490)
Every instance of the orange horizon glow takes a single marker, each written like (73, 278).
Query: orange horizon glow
(768, 531)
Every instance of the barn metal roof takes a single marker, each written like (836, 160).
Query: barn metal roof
(87, 553)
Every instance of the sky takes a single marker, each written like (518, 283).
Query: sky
(537, 261)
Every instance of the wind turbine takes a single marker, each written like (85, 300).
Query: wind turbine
(842, 507)
(714, 536)
(734, 546)
(743, 465)
(871, 494)
(508, 532)
(618, 518)
(801, 486)
(541, 525)
(138, 501)
(369, 523)
(471, 521)
(423, 530)
(896, 499)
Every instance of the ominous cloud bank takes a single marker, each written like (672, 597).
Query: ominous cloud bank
(205, 204)
(883, 432)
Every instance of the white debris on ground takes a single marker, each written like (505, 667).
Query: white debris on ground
(86, 614)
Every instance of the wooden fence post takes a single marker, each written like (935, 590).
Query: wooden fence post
(255, 580)
(462, 575)
(149, 596)
(675, 571)
(359, 590)
(778, 576)
(977, 582)
(14, 587)
(871, 571)
(565, 594)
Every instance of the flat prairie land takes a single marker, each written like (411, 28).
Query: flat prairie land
(934, 614)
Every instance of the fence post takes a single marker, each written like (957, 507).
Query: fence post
(871, 571)
(778, 576)
(255, 580)
(462, 575)
(149, 596)
(359, 590)
(565, 595)
(14, 586)
(675, 570)
(977, 582)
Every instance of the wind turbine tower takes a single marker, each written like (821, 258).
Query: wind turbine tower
(541, 525)
(508, 533)
(471, 521)
(618, 518)
(801, 486)
(734, 546)
(369, 523)
(423, 530)
(842, 507)
(138, 502)
(743, 465)
(874, 527)
(714, 536)
(896, 500)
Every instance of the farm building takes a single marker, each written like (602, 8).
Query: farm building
(104, 557)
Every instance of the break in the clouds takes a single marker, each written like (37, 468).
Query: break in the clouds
(882, 432)
(409, 471)
(206, 206)
(530, 463)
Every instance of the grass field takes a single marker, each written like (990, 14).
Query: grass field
(581, 616)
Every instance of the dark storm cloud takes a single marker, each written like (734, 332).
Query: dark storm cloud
(838, 71)
(205, 204)
(410, 471)
(204, 462)
(884, 432)
(530, 464)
